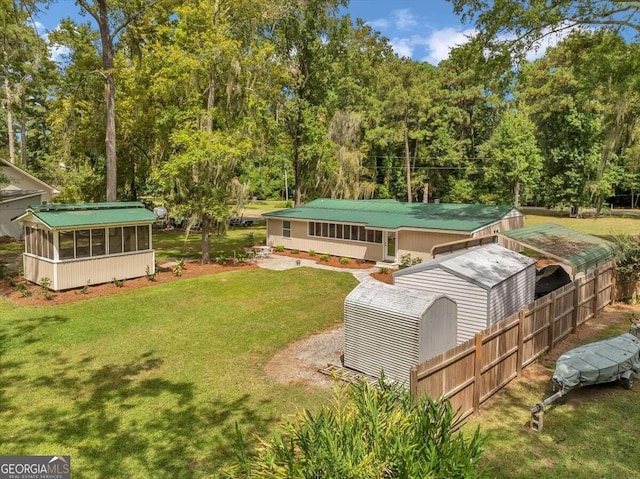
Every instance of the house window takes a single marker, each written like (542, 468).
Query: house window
(83, 243)
(67, 245)
(286, 229)
(115, 240)
(143, 238)
(98, 242)
(129, 237)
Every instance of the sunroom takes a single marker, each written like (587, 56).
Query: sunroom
(72, 245)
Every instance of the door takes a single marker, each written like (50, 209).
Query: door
(390, 246)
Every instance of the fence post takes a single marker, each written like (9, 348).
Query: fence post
(613, 283)
(596, 287)
(520, 354)
(413, 382)
(478, 372)
(576, 305)
(552, 321)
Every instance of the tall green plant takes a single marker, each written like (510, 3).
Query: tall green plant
(627, 255)
(371, 432)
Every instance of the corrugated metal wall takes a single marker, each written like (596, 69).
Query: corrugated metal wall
(35, 269)
(379, 338)
(509, 296)
(74, 274)
(472, 300)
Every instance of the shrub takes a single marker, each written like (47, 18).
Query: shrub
(85, 288)
(369, 431)
(220, 257)
(23, 290)
(312, 252)
(45, 287)
(118, 283)
(406, 261)
(344, 260)
(279, 248)
(626, 250)
(384, 270)
(150, 276)
(324, 257)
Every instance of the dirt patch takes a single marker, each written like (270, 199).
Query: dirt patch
(332, 260)
(299, 362)
(37, 296)
(383, 277)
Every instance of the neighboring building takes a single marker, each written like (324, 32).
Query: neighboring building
(77, 244)
(384, 230)
(576, 252)
(391, 329)
(23, 190)
(488, 284)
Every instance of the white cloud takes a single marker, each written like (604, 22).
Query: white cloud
(402, 46)
(58, 52)
(550, 40)
(440, 43)
(379, 24)
(404, 19)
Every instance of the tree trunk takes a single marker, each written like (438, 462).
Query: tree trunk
(516, 194)
(23, 130)
(10, 133)
(110, 100)
(407, 158)
(297, 162)
(204, 242)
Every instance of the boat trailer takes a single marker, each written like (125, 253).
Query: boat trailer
(614, 359)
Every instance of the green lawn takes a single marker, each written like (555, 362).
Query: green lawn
(606, 227)
(593, 435)
(150, 383)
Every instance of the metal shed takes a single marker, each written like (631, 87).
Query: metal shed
(391, 329)
(488, 284)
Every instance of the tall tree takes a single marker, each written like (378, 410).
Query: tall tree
(112, 17)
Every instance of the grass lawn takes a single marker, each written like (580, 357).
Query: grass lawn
(174, 244)
(593, 435)
(149, 383)
(605, 227)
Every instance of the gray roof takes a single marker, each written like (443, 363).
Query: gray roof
(486, 266)
(386, 297)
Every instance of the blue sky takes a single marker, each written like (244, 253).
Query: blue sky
(424, 30)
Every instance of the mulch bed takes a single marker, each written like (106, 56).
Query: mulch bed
(37, 298)
(333, 260)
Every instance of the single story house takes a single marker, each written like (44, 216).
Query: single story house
(576, 252)
(489, 283)
(77, 244)
(384, 230)
(391, 329)
(22, 190)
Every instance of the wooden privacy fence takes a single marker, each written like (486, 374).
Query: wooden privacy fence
(473, 371)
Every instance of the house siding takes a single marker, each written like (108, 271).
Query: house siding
(471, 299)
(300, 240)
(37, 268)
(10, 210)
(509, 296)
(419, 244)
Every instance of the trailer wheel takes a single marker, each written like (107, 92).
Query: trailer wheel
(627, 383)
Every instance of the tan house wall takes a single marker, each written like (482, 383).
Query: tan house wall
(419, 243)
(77, 273)
(21, 180)
(300, 240)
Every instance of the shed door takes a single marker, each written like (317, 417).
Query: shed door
(390, 246)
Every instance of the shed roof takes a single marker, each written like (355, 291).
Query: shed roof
(486, 267)
(88, 214)
(392, 214)
(581, 250)
(390, 298)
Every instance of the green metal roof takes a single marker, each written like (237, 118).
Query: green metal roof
(391, 214)
(59, 216)
(581, 250)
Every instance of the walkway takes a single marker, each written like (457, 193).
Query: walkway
(280, 263)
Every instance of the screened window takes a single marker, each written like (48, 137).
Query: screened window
(115, 240)
(348, 232)
(98, 242)
(83, 244)
(286, 229)
(67, 245)
(143, 238)
(129, 237)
